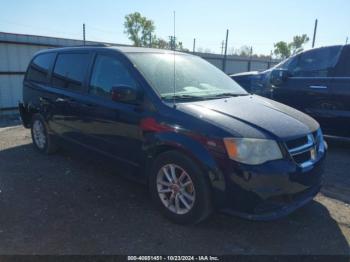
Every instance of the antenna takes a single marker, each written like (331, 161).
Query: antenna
(174, 79)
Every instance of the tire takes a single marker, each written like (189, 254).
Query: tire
(42, 140)
(197, 193)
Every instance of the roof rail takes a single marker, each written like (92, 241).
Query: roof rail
(92, 45)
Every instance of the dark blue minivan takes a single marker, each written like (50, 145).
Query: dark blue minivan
(195, 137)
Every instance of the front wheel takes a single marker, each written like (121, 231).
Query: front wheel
(179, 189)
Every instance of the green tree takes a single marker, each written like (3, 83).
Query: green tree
(282, 50)
(139, 29)
(298, 41)
(161, 43)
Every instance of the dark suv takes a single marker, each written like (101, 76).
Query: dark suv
(316, 81)
(194, 136)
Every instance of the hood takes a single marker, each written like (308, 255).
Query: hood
(252, 116)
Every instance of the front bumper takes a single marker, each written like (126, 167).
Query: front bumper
(280, 207)
(269, 191)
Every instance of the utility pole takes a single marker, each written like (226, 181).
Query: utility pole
(222, 47)
(225, 55)
(315, 31)
(347, 38)
(270, 62)
(250, 58)
(194, 45)
(150, 39)
(84, 33)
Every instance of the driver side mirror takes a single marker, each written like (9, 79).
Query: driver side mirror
(125, 94)
(279, 76)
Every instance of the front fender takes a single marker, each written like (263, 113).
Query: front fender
(157, 143)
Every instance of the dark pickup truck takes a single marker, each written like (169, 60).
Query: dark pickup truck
(316, 81)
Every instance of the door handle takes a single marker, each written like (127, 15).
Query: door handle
(60, 99)
(318, 87)
(44, 99)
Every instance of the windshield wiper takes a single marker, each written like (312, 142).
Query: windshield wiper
(228, 95)
(185, 97)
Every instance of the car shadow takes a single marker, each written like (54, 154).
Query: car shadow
(76, 203)
(336, 176)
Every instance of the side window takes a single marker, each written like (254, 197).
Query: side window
(38, 70)
(289, 64)
(317, 63)
(343, 66)
(108, 72)
(70, 70)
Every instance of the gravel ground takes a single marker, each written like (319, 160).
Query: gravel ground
(66, 204)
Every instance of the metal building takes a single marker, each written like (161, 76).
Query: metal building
(16, 51)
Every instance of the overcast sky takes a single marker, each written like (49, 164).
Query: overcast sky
(254, 23)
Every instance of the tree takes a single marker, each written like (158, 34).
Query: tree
(139, 29)
(282, 50)
(244, 51)
(298, 42)
(161, 43)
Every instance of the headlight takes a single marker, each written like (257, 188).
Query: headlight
(252, 151)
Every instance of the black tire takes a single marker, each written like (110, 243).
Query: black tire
(202, 205)
(48, 146)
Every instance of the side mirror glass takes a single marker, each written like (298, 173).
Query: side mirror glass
(278, 76)
(125, 94)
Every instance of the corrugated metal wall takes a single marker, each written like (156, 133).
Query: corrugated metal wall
(14, 59)
(16, 51)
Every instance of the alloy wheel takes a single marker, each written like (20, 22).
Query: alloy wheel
(175, 189)
(39, 134)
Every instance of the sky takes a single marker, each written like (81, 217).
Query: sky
(254, 23)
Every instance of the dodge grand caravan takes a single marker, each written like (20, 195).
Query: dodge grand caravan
(192, 134)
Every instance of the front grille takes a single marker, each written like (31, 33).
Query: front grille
(303, 150)
(303, 157)
(297, 142)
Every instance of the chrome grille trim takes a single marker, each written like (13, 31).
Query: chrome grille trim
(304, 148)
(314, 146)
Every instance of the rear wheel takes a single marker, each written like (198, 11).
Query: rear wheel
(179, 189)
(42, 140)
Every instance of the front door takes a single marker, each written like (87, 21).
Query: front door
(309, 83)
(112, 127)
(338, 106)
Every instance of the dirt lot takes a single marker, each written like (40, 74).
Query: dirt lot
(67, 204)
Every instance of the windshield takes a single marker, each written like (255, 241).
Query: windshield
(194, 77)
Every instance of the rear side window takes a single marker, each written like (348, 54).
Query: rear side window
(109, 72)
(317, 63)
(70, 71)
(38, 70)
